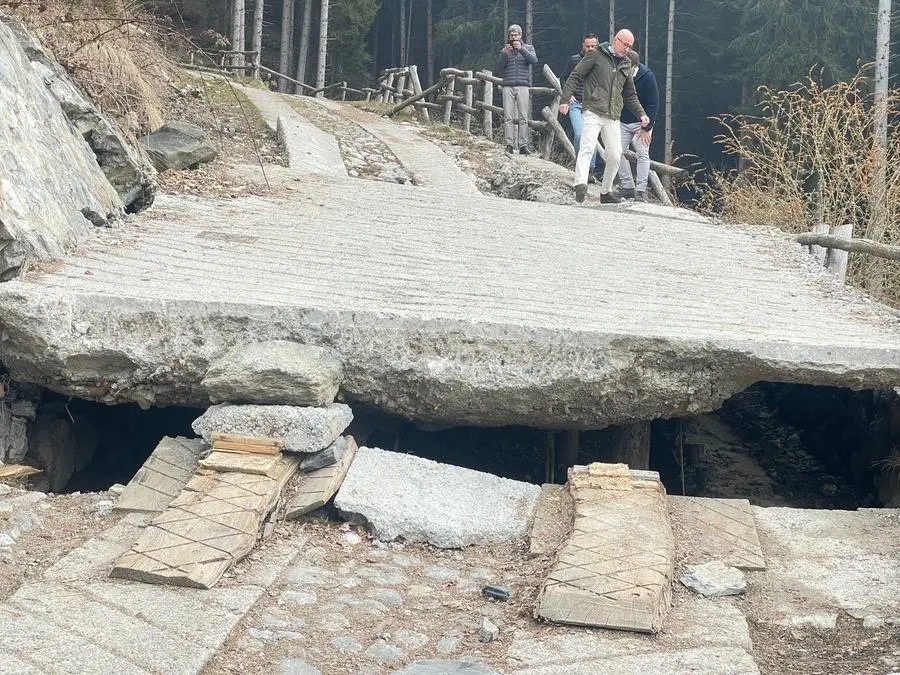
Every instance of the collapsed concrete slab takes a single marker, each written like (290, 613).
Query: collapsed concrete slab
(414, 499)
(482, 320)
(51, 190)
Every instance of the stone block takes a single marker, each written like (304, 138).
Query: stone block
(402, 496)
(275, 373)
(178, 145)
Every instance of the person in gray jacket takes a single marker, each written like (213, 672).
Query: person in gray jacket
(514, 67)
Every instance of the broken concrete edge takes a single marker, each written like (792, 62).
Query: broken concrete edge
(584, 380)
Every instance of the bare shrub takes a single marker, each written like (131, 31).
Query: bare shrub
(112, 50)
(809, 157)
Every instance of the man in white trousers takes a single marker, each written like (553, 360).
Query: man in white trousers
(607, 78)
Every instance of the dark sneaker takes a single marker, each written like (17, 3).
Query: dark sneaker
(639, 196)
(626, 193)
(580, 192)
(608, 198)
(525, 150)
(510, 150)
(592, 177)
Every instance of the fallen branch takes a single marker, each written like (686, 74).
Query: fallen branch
(850, 245)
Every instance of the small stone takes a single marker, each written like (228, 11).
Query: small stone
(330, 455)
(714, 579)
(25, 521)
(873, 622)
(5, 489)
(441, 573)
(351, 538)
(297, 667)
(488, 631)
(6, 541)
(346, 644)
(388, 596)
(297, 598)
(116, 489)
(382, 652)
(410, 639)
(447, 645)
(419, 591)
(497, 592)
(102, 508)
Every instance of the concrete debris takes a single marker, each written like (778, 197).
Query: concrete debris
(275, 373)
(405, 497)
(714, 579)
(303, 429)
(488, 631)
(178, 145)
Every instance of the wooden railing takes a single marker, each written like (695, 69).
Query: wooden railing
(475, 98)
(832, 246)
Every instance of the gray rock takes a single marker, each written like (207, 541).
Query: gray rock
(305, 430)
(297, 598)
(488, 631)
(275, 373)
(6, 541)
(410, 638)
(50, 175)
(441, 573)
(297, 667)
(420, 500)
(130, 176)
(327, 457)
(388, 596)
(102, 508)
(382, 652)
(441, 667)
(447, 645)
(25, 521)
(5, 489)
(346, 644)
(714, 579)
(178, 145)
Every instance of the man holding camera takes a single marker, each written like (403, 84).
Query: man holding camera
(607, 78)
(514, 67)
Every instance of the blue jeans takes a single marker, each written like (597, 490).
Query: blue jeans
(576, 117)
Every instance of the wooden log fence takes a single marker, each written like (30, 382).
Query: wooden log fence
(833, 249)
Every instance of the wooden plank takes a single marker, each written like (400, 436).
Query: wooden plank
(222, 446)
(17, 471)
(211, 525)
(319, 486)
(162, 476)
(242, 462)
(615, 569)
(237, 439)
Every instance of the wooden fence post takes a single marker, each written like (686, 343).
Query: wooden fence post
(448, 105)
(836, 260)
(488, 97)
(389, 83)
(417, 89)
(467, 117)
(819, 252)
(401, 85)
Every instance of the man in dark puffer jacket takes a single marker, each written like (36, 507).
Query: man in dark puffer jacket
(514, 67)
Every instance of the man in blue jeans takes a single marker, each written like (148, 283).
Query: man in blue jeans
(576, 117)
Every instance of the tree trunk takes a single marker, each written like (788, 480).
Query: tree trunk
(505, 16)
(287, 31)
(529, 21)
(646, 58)
(303, 50)
(612, 19)
(584, 25)
(670, 45)
(376, 31)
(408, 32)
(258, 10)
(874, 272)
(323, 47)
(237, 28)
(429, 43)
(403, 33)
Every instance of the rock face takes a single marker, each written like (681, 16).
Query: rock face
(276, 372)
(51, 189)
(131, 177)
(303, 429)
(178, 145)
(415, 499)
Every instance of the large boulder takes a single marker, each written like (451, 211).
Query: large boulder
(51, 188)
(275, 372)
(129, 174)
(178, 145)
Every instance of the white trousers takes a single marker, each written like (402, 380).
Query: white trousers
(607, 130)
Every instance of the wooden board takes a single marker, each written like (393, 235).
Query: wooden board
(211, 525)
(244, 462)
(235, 440)
(319, 486)
(17, 470)
(224, 446)
(615, 569)
(553, 518)
(719, 529)
(162, 476)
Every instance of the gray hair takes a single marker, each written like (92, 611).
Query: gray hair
(514, 28)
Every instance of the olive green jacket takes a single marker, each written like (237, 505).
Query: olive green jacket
(607, 81)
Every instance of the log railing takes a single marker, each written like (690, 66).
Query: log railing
(471, 94)
(832, 248)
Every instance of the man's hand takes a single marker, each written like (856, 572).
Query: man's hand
(572, 99)
(507, 49)
(517, 44)
(564, 108)
(645, 121)
(645, 135)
